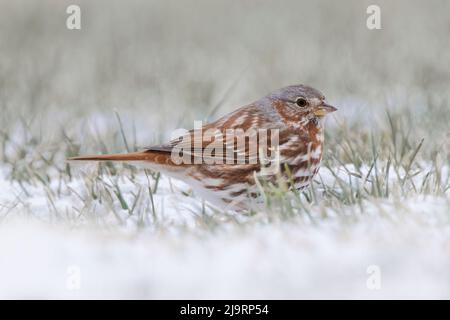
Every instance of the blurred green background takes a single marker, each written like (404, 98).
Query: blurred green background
(163, 64)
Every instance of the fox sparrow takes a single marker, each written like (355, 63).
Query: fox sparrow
(280, 135)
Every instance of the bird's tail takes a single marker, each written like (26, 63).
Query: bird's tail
(133, 156)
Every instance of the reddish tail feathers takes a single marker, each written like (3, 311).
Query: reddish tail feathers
(134, 156)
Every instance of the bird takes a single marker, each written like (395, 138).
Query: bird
(281, 135)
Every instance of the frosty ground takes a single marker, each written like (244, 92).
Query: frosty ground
(259, 257)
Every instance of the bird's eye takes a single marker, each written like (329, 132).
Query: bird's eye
(301, 102)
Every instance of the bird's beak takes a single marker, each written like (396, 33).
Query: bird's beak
(324, 109)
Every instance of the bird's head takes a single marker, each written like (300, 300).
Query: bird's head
(300, 102)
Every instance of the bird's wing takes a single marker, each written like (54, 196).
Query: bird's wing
(227, 139)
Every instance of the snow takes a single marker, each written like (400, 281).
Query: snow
(51, 258)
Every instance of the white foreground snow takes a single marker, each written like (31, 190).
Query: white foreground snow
(406, 244)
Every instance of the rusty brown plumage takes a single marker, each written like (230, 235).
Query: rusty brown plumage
(294, 113)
